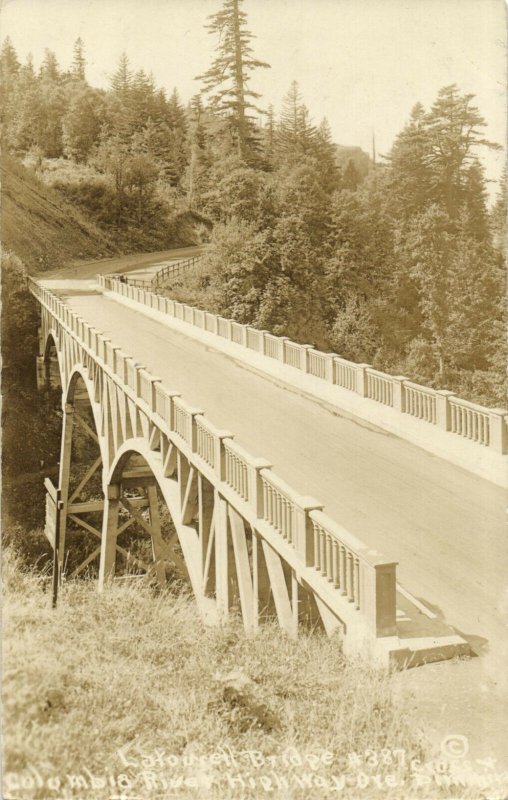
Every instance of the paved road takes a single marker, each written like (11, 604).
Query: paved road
(89, 269)
(442, 524)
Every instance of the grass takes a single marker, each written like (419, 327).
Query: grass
(130, 683)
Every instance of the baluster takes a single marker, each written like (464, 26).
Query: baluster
(474, 426)
(349, 577)
(266, 501)
(356, 582)
(342, 568)
(279, 511)
(289, 521)
(316, 545)
(329, 570)
(335, 563)
(322, 551)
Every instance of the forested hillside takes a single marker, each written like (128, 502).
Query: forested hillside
(397, 263)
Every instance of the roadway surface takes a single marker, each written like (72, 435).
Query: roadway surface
(445, 526)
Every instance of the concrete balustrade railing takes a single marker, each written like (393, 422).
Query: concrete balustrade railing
(353, 571)
(484, 426)
(357, 572)
(236, 470)
(420, 402)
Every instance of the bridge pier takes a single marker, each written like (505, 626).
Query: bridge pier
(107, 562)
(64, 473)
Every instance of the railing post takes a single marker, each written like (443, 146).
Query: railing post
(193, 413)
(329, 367)
(153, 395)
(379, 600)
(138, 368)
(304, 532)
(498, 439)
(171, 408)
(361, 379)
(399, 403)
(114, 351)
(255, 482)
(304, 357)
(219, 455)
(280, 348)
(443, 415)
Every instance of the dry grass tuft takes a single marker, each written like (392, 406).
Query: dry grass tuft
(130, 683)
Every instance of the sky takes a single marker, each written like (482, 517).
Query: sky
(362, 64)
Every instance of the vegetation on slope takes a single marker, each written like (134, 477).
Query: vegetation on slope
(136, 672)
(41, 227)
(399, 264)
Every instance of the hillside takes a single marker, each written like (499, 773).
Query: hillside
(40, 226)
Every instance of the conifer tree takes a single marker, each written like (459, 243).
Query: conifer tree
(121, 80)
(295, 136)
(227, 80)
(78, 61)
(9, 72)
(49, 67)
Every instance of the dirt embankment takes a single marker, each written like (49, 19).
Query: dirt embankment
(42, 228)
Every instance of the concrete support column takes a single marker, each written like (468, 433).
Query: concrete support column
(109, 534)
(64, 472)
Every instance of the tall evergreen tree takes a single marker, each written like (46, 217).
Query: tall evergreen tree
(49, 67)
(455, 132)
(9, 72)
(295, 135)
(78, 62)
(121, 80)
(227, 80)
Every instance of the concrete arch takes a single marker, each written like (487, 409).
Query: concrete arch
(44, 362)
(187, 535)
(68, 397)
(50, 342)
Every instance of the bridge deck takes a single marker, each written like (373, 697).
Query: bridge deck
(443, 525)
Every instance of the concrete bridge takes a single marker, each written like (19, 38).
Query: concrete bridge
(311, 489)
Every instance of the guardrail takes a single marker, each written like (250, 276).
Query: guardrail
(170, 270)
(484, 426)
(350, 569)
